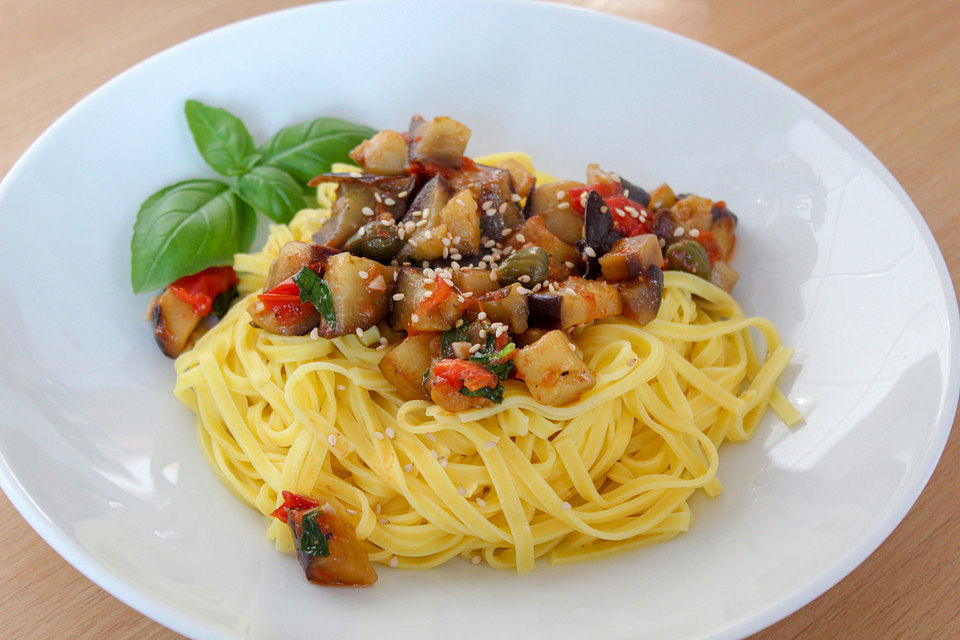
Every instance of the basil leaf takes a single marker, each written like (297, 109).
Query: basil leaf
(272, 192)
(308, 149)
(222, 303)
(491, 393)
(501, 370)
(457, 334)
(221, 137)
(315, 291)
(313, 541)
(186, 228)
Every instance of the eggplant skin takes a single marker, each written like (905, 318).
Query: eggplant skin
(544, 310)
(173, 323)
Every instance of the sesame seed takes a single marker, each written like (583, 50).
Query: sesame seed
(590, 252)
(569, 265)
(455, 265)
(428, 234)
(394, 562)
(487, 204)
(634, 214)
(482, 315)
(459, 323)
(573, 347)
(402, 194)
(679, 231)
(433, 452)
(482, 333)
(631, 362)
(341, 387)
(389, 202)
(506, 231)
(489, 444)
(462, 490)
(445, 241)
(382, 521)
(381, 347)
(561, 194)
(466, 294)
(332, 439)
(425, 213)
(490, 244)
(456, 256)
(515, 197)
(475, 559)
(352, 512)
(523, 290)
(432, 437)
(474, 348)
(524, 278)
(428, 294)
(569, 291)
(663, 243)
(414, 318)
(481, 502)
(378, 435)
(444, 463)
(363, 274)
(362, 232)
(521, 238)
(391, 433)
(563, 205)
(355, 174)
(398, 296)
(377, 196)
(490, 212)
(604, 209)
(408, 467)
(566, 506)
(493, 274)
(359, 332)
(446, 251)
(538, 286)
(315, 333)
(367, 211)
(396, 274)
(694, 233)
(502, 208)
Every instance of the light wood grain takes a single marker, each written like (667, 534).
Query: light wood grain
(889, 70)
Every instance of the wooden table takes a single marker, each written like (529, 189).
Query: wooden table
(888, 70)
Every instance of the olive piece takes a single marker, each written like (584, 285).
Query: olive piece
(376, 241)
(531, 262)
(689, 256)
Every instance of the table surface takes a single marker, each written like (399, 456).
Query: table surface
(886, 69)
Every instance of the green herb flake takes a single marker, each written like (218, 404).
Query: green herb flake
(315, 291)
(313, 541)
(447, 338)
(491, 393)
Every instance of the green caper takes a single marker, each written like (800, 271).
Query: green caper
(376, 241)
(689, 256)
(529, 267)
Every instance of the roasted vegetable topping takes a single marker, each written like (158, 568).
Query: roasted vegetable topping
(528, 266)
(689, 256)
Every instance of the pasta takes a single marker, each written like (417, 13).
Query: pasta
(504, 484)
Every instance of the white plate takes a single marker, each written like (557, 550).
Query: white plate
(103, 463)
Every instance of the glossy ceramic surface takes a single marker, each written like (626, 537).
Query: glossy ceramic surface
(103, 462)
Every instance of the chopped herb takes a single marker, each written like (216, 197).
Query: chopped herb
(501, 369)
(447, 338)
(491, 393)
(426, 376)
(489, 359)
(221, 304)
(315, 291)
(313, 541)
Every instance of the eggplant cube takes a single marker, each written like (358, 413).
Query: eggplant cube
(588, 300)
(628, 257)
(360, 289)
(462, 220)
(552, 203)
(507, 306)
(384, 153)
(173, 322)
(553, 371)
(442, 315)
(405, 364)
(442, 140)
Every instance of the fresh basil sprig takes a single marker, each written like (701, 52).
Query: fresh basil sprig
(195, 224)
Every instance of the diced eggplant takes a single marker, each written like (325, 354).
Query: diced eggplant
(608, 181)
(662, 198)
(462, 220)
(474, 281)
(378, 240)
(587, 300)
(441, 141)
(693, 212)
(383, 154)
(554, 373)
(724, 276)
(292, 257)
(599, 232)
(423, 219)
(328, 549)
(507, 306)
(641, 297)
(430, 201)
(635, 193)
(544, 310)
(290, 319)
(723, 225)
(405, 364)
(173, 322)
(521, 180)
(409, 314)
(493, 190)
(628, 257)
(534, 232)
(664, 225)
(529, 336)
(361, 199)
(360, 289)
(552, 203)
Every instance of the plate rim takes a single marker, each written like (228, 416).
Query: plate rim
(198, 628)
